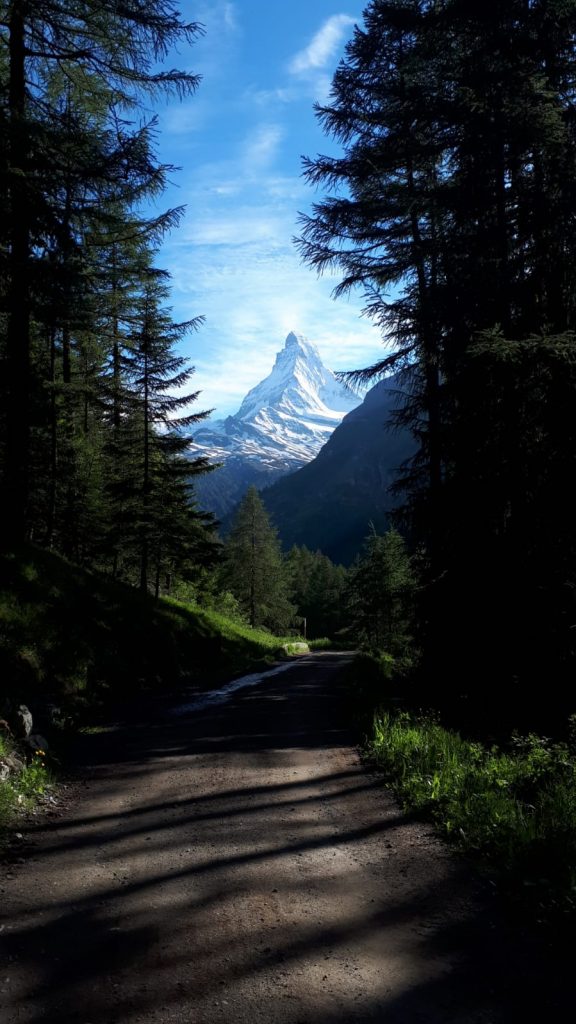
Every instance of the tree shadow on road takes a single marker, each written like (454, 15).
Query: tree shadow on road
(262, 900)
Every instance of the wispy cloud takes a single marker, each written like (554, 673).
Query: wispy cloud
(232, 258)
(230, 17)
(261, 147)
(267, 97)
(237, 345)
(221, 15)
(213, 52)
(323, 45)
(183, 118)
(238, 226)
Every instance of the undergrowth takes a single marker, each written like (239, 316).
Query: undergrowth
(515, 808)
(76, 638)
(323, 643)
(28, 781)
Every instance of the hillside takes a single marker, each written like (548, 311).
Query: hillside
(70, 635)
(329, 503)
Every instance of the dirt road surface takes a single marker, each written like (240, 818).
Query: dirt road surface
(238, 864)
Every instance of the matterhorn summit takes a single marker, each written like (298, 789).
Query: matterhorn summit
(281, 425)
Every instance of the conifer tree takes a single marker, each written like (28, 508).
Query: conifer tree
(110, 54)
(381, 597)
(452, 207)
(253, 567)
(317, 589)
(151, 493)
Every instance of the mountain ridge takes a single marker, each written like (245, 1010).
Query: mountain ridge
(329, 503)
(281, 425)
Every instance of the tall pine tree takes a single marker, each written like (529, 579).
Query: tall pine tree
(452, 206)
(51, 150)
(254, 570)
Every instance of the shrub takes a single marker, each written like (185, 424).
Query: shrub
(369, 681)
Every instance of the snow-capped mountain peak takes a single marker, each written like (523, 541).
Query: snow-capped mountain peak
(283, 421)
(298, 380)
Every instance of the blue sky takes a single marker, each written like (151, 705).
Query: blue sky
(239, 143)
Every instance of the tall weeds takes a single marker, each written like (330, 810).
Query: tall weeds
(27, 782)
(514, 808)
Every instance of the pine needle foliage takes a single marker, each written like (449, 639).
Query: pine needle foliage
(452, 206)
(254, 569)
(96, 414)
(381, 592)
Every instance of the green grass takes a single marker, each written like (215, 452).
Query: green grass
(514, 809)
(23, 787)
(79, 638)
(321, 644)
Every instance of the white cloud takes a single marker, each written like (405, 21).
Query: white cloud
(230, 17)
(265, 97)
(252, 294)
(183, 118)
(323, 46)
(232, 258)
(237, 227)
(322, 87)
(218, 16)
(261, 147)
(215, 51)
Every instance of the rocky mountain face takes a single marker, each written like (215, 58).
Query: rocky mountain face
(281, 425)
(330, 503)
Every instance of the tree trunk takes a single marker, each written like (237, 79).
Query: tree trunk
(16, 504)
(51, 513)
(157, 582)
(432, 389)
(144, 552)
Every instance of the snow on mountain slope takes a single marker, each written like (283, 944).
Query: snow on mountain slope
(288, 416)
(281, 425)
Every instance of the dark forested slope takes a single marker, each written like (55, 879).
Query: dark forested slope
(329, 503)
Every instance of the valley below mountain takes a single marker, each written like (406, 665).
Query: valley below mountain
(330, 503)
(324, 459)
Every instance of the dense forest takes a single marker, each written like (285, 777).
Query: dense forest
(95, 398)
(451, 206)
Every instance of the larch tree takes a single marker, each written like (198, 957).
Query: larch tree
(153, 489)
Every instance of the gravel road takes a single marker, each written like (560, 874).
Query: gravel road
(238, 864)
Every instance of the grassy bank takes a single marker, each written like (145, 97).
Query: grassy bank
(73, 645)
(69, 636)
(514, 809)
